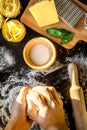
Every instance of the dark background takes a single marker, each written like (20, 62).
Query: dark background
(56, 77)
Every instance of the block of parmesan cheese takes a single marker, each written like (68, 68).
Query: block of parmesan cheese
(44, 12)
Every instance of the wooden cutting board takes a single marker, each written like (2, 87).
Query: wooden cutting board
(79, 33)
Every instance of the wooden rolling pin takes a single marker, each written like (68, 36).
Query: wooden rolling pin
(77, 99)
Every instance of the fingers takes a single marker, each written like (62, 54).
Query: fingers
(42, 100)
(21, 96)
(37, 104)
(50, 94)
(37, 98)
(56, 96)
(32, 110)
(44, 91)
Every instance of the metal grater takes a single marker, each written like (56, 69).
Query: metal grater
(69, 12)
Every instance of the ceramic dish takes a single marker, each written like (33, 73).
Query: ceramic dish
(39, 53)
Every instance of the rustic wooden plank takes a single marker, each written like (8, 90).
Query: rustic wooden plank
(79, 33)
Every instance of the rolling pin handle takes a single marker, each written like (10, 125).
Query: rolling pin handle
(73, 74)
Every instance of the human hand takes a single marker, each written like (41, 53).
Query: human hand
(18, 120)
(46, 108)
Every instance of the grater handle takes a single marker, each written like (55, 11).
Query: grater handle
(83, 6)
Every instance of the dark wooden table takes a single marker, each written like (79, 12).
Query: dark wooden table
(15, 74)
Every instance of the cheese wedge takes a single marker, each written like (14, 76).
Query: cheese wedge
(44, 12)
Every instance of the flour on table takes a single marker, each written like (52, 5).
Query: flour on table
(6, 58)
(53, 68)
(11, 87)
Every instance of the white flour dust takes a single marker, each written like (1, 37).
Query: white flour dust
(11, 87)
(26, 77)
(6, 58)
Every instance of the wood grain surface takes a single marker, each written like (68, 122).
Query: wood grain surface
(79, 33)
